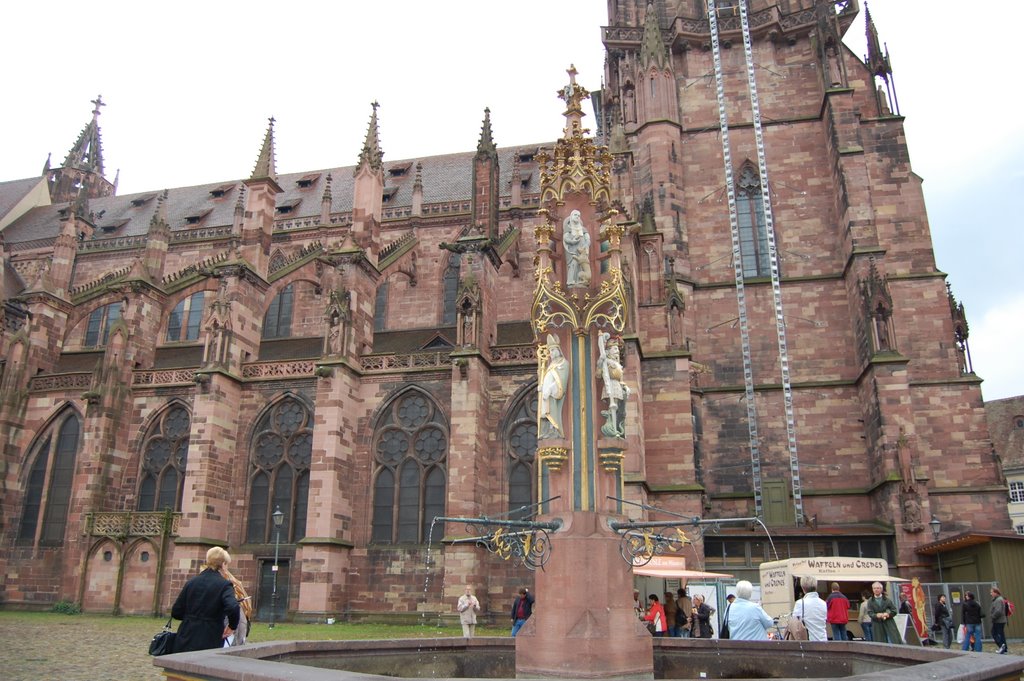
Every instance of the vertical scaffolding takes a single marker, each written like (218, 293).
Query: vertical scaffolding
(780, 322)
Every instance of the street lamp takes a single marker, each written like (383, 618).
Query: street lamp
(278, 517)
(936, 526)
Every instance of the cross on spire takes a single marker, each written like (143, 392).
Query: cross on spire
(97, 103)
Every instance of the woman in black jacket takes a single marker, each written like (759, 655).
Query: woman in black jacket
(943, 621)
(971, 615)
(702, 613)
(203, 604)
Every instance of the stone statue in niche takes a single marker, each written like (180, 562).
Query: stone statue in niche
(552, 392)
(576, 240)
(912, 513)
(615, 390)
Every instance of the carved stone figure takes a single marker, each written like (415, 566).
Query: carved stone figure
(614, 390)
(912, 514)
(576, 240)
(552, 392)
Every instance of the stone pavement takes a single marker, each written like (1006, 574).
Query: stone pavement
(75, 649)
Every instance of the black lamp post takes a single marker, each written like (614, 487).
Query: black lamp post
(936, 526)
(278, 517)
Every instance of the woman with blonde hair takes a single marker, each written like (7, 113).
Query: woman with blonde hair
(245, 605)
(203, 604)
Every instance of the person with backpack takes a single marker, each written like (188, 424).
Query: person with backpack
(998, 613)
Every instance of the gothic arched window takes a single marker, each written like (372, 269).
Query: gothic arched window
(48, 489)
(184, 321)
(164, 455)
(753, 230)
(282, 448)
(410, 445)
(277, 322)
(449, 289)
(521, 444)
(97, 329)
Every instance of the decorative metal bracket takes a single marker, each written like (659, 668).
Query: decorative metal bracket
(524, 542)
(642, 540)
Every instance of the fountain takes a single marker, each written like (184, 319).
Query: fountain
(585, 626)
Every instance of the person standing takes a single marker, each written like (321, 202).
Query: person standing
(522, 608)
(747, 621)
(468, 607)
(245, 608)
(904, 604)
(882, 610)
(724, 632)
(998, 613)
(943, 621)
(971, 614)
(670, 614)
(656, 615)
(701, 618)
(838, 612)
(684, 608)
(811, 609)
(865, 618)
(202, 605)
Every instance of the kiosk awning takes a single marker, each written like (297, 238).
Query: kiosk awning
(674, 567)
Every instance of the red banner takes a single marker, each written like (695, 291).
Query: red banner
(918, 606)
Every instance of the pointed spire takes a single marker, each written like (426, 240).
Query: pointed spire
(325, 202)
(652, 47)
(239, 214)
(87, 152)
(46, 166)
(877, 61)
(117, 178)
(485, 147)
(371, 154)
(265, 165)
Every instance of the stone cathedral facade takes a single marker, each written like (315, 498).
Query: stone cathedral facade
(352, 346)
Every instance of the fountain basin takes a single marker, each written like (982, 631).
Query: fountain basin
(491, 658)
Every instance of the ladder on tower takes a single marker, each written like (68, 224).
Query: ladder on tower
(780, 322)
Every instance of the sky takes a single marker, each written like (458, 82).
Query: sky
(189, 88)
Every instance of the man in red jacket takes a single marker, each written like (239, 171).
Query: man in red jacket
(838, 612)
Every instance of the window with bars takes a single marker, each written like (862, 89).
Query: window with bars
(281, 451)
(48, 492)
(277, 322)
(410, 447)
(1016, 492)
(752, 226)
(185, 319)
(97, 329)
(164, 456)
(521, 444)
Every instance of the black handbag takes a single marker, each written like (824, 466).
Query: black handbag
(163, 642)
(725, 623)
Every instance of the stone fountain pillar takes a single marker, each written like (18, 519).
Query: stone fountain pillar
(584, 625)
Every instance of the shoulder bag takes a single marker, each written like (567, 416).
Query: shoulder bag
(796, 630)
(725, 623)
(163, 642)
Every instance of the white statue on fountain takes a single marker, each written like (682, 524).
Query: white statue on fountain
(576, 240)
(615, 390)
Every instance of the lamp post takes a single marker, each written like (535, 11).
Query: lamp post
(936, 526)
(278, 517)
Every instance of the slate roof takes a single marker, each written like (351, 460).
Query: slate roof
(13, 191)
(445, 178)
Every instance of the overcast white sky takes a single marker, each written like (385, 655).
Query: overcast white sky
(189, 87)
